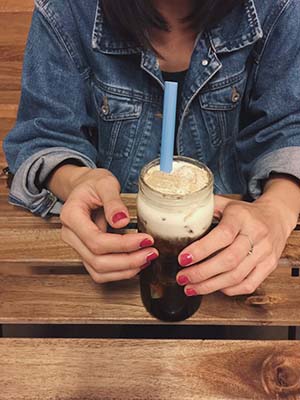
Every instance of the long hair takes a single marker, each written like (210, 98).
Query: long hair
(135, 18)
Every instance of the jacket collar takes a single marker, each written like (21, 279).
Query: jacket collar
(239, 29)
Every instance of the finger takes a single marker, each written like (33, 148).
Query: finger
(219, 238)
(220, 204)
(116, 213)
(110, 262)
(77, 220)
(254, 279)
(223, 280)
(224, 261)
(98, 218)
(111, 276)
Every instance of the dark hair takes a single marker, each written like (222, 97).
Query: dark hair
(135, 18)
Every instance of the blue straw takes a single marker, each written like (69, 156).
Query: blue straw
(168, 128)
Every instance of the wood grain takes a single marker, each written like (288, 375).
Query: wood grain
(41, 244)
(14, 28)
(76, 299)
(9, 6)
(149, 369)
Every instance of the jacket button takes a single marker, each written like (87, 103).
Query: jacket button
(235, 96)
(105, 106)
(105, 110)
(205, 63)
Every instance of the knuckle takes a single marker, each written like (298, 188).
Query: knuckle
(124, 244)
(206, 287)
(231, 260)
(108, 181)
(64, 215)
(228, 292)
(273, 260)
(236, 276)
(262, 229)
(227, 235)
(249, 287)
(130, 274)
(98, 266)
(196, 275)
(98, 278)
(94, 246)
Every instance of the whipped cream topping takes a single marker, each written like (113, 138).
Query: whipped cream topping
(184, 179)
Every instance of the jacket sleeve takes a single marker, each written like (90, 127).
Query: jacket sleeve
(269, 140)
(53, 122)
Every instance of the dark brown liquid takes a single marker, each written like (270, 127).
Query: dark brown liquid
(161, 295)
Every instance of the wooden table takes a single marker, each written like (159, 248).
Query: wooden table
(42, 281)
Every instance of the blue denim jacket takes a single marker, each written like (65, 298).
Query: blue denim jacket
(93, 97)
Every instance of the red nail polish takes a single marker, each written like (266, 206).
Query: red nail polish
(191, 292)
(118, 216)
(146, 243)
(151, 257)
(145, 265)
(185, 259)
(183, 280)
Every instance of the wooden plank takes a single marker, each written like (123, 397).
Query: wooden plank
(23, 242)
(76, 299)
(9, 97)
(149, 369)
(3, 162)
(6, 124)
(9, 6)
(8, 110)
(14, 28)
(10, 77)
(9, 53)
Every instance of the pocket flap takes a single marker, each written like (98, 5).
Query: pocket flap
(223, 98)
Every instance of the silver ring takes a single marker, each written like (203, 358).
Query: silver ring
(250, 252)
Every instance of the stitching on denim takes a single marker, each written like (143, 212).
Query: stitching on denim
(249, 38)
(121, 47)
(129, 93)
(50, 17)
(270, 25)
(225, 82)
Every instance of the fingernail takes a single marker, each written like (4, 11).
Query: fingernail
(183, 280)
(190, 292)
(146, 243)
(145, 265)
(118, 216)
(185, 259)
(151, 257)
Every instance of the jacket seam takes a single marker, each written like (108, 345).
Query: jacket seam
(272, 25)
(49, 17)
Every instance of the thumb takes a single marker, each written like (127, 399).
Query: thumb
(220, 205)
(115, 211)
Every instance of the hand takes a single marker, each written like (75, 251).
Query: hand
(94, 202)
(235, 269)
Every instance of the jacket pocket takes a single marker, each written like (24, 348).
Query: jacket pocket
(118, 118)
(220, 106)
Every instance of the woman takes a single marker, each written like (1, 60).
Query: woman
(90, 118)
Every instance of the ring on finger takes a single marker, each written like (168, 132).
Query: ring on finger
(250, 252)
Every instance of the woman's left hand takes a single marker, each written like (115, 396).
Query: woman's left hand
(249, 241)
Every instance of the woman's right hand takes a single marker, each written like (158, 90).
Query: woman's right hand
(93, 202)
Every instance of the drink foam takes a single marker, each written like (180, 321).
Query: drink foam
(184, 179)
(190, 219)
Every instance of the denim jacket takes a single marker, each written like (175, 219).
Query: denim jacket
(91, 97)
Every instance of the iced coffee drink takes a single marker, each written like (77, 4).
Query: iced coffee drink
(176, 209)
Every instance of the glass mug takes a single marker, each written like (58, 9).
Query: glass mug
(174, 221)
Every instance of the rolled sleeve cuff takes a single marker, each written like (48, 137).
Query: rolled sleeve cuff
(25, 192)
(285, 161)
